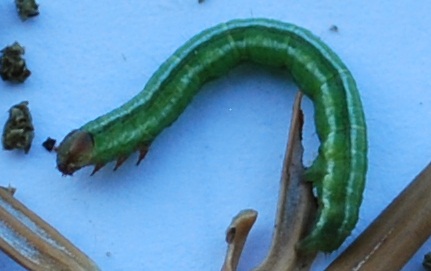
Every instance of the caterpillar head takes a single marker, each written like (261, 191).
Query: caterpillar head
(74, 152)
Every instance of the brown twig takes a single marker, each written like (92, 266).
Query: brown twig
(399, 231)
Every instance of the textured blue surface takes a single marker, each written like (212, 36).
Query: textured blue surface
(225, 153)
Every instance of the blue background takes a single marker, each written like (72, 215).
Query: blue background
(225, 152)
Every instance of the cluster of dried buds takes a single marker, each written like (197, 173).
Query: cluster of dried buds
(12, 65)
(27, 8)
(18, 131)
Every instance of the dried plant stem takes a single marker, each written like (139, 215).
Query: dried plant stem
(296, 206)
(33, 243)
(236, 235)
(399, 231)
(295, 212)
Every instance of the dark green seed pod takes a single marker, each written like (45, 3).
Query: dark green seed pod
(18, 131)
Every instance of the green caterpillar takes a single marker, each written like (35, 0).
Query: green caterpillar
(338, 173)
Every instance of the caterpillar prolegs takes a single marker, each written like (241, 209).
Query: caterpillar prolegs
(338, 173)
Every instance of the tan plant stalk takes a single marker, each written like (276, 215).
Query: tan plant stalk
(33, 243)
(397, 233)
(295, 210)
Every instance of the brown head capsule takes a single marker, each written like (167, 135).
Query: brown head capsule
(74, 151)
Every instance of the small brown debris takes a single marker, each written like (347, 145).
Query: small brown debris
(49, 144)
(333, 28)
